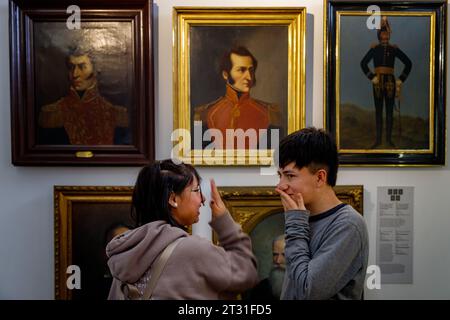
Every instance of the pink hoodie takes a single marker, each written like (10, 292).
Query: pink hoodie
(197, 269)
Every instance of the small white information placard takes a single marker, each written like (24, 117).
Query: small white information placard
(395, 234)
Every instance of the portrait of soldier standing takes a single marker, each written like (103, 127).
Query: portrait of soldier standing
(385, 85)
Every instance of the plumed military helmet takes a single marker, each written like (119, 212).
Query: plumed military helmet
(384, 27)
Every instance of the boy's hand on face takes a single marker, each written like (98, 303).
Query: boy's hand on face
(294, 202)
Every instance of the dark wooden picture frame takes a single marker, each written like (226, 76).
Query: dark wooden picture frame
(408, 127)
(60, 116)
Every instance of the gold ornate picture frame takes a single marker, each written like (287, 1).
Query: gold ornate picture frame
(86, 219)
(83, 217)
(260, 213)
(275, 37)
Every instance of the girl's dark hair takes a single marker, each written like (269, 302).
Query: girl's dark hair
(154, 184)
(312, 148)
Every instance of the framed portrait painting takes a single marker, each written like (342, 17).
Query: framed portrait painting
(260, 213)
(239, 82)
(81, 82)
(385, 81)
(86, 219)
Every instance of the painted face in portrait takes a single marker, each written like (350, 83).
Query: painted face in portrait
(242, 73)
(81, 72)
(276, 274)
(384, 37)
(186, 206)
(278, 254)
(115, 232)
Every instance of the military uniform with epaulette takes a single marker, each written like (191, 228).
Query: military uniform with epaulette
(237, 110)
(383, 56)
(89, 119)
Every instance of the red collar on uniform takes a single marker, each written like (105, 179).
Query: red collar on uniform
(89, 94)
(232, 95)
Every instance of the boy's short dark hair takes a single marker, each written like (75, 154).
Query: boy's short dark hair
(312, 148)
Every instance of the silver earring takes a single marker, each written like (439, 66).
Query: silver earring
(175, 205)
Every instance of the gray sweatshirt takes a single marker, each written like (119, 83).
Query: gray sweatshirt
(197, 269)
(326, 254)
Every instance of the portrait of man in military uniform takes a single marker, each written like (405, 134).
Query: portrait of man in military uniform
(239, 83)
(84, 85)
(236, 109)
(386, 87)
(86, 116)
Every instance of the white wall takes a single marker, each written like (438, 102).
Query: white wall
(26, 194)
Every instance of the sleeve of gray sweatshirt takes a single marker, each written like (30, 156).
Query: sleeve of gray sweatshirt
(236, 261)
(322, 275)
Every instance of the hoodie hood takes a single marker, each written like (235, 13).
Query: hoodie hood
(132, 253)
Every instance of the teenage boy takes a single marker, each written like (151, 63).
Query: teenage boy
(326, 240)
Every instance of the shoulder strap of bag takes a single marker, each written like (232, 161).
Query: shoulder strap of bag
(131, 292)
(158, 267)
